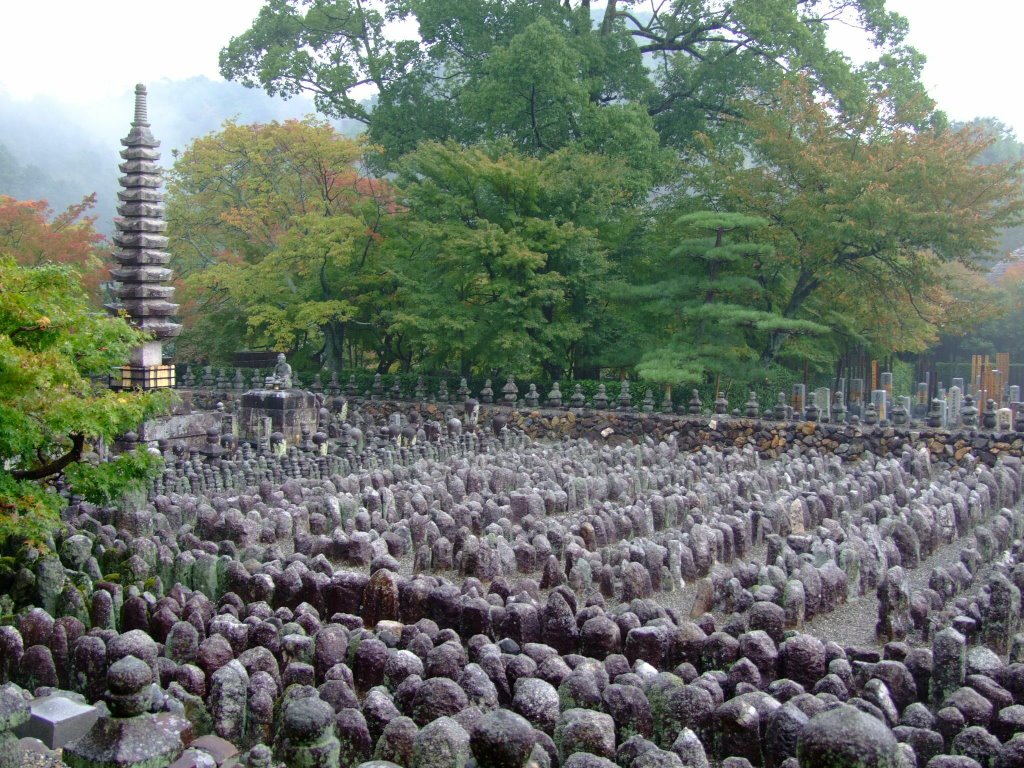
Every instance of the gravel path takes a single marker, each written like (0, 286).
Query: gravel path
(853, 623)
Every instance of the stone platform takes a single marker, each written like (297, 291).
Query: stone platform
(278, 410)
(187, 428)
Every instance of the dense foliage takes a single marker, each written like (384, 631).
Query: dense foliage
(682, 193)
(53, 343)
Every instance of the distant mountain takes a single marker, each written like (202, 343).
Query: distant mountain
(60, 152)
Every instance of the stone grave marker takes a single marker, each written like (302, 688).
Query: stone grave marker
(878, 399)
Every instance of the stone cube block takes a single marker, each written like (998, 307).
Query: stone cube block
(57, 721)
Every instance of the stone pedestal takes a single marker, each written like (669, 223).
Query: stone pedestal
(265, 411)
(190, 428)
(129, 737)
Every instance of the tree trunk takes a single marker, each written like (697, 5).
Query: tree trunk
(53, 467)
(334, 345)
(608, 21)
(553, 370)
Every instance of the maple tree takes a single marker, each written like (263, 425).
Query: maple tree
(274, 229)
(32, 234)
(55, 353)
(863, 216)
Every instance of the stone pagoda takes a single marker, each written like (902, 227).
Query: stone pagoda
(142, 279)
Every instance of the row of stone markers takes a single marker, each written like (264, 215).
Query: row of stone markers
(362, 432)
(484, 599)
(950, 410)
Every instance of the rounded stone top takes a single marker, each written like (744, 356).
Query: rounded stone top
(845, 737)
(14, 710)
(307, 718)
(128, 675)
(260, 756)
(132, 643)
(501, 739)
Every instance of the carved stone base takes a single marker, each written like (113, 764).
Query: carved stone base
(286, 411)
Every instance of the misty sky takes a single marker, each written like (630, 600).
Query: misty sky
(87, 52)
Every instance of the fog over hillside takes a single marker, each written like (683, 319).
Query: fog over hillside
(59, 152)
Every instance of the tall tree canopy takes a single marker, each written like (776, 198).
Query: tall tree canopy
(545, 71)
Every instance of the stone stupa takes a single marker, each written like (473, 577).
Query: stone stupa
(142, 279)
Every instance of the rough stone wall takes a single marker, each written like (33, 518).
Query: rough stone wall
(771, 438)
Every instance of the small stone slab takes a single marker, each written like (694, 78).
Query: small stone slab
(194, 758)
(219, 749)
(57, 721)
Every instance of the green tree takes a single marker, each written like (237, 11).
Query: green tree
(705, 310)
(504, 255)
(53, 346)
(276, 228)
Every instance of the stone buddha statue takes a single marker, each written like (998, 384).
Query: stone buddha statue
(281, 378)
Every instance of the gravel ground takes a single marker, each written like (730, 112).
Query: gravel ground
(853, 623)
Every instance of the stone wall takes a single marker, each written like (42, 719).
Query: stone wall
(772, 438)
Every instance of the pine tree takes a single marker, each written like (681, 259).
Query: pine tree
(707, 315)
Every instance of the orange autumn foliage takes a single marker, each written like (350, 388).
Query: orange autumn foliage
(867, 220)
(34, 235)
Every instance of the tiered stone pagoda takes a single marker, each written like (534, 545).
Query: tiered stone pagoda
(142, 279)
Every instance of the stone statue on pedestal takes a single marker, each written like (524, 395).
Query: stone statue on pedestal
(281, 378)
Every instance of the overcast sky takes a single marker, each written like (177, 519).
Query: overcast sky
(85, 52)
